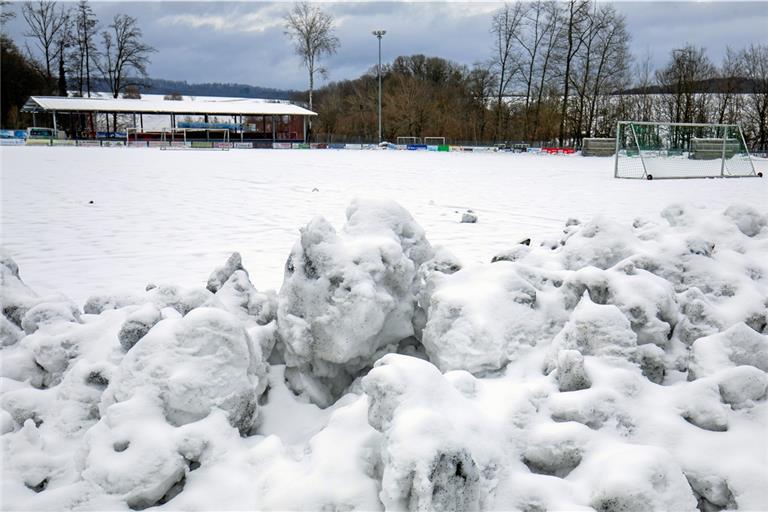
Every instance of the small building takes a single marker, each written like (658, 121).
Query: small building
(153, 117)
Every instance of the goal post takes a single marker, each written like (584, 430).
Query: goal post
(659, 150)
(434, 141)
(404, 141)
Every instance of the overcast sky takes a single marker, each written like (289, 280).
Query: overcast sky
(244, 42)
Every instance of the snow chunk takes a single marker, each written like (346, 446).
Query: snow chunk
(468, 217)
(555, 448)
(222, 274)
(194, 364)
(347, 296)
(452, 466)
(701, 406)
(634, 478)
(600, 242)
(182, 300)
(598, 330)
(137, 325)
(747, 219)
(47, 313)
(739, 345)
(743, 385)
(571, 374)
(131, 452)
(480, 318)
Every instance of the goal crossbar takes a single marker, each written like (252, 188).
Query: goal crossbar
(661, 150)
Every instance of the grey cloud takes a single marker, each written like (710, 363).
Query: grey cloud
(244, 42)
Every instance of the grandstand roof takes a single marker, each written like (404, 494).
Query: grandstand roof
(155, 104)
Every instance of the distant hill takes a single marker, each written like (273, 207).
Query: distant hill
(162, 86)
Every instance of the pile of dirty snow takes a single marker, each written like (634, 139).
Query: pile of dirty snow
(617, 368)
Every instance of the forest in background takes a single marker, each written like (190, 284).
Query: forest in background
(558, 72)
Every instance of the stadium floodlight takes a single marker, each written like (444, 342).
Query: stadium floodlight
(659, 150)
(379, 34)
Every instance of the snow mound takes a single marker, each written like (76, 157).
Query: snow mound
(349, 295)
(597, 371)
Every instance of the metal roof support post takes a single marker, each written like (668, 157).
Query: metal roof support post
(305, 129)
(54, 120)
(273, 129)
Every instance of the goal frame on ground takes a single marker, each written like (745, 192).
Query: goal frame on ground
(434, 141)
(411, 140)
(723, 156)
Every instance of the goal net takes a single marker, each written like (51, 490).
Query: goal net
(434, 141)
(650, 150)
(402, 141)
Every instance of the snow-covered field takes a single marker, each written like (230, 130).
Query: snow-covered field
(171, 216)
(616, 361)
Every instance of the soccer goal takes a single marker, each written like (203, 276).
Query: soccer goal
(403, 141)
(656, 150)
(434, 141)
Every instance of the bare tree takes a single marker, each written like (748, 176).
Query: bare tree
(504, 27)
(530, 40)
(755, 59)
(643, 108)
(311, 31)
(729, 77)
(553, 27)
(681, 79)
(577, 11)
(123, 52)
(45, 22)
(85, 51)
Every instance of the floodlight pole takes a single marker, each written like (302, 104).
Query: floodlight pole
(379, 34)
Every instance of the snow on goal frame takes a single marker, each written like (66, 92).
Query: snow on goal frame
(657, 150)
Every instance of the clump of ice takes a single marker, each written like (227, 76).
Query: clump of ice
(349, 295)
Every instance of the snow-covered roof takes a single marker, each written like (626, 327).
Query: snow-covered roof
(155, 104)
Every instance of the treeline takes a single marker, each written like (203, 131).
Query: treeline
(68, 48)
(559, 72)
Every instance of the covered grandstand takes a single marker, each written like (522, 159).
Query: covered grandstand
(156, 118)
